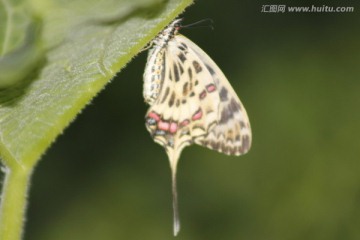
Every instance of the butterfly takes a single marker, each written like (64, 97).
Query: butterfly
(191, 102)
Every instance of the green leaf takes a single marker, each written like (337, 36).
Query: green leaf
(85, 42)
(20, 42)
(14, 19)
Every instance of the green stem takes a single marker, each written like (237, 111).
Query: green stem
(13, 202)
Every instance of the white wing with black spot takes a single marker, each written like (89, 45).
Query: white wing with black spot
(232, 133)
(191, 101)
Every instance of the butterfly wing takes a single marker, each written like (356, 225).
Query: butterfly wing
(191, 101)
(185, 110)
(186, 106)
(232, 133)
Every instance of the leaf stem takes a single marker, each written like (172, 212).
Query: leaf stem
(13, 202)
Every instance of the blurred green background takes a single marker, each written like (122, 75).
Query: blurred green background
(298, 76)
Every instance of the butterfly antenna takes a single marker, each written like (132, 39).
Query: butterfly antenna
(174, 155)
(207, 22)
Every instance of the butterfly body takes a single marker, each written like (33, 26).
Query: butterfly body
(191, 102)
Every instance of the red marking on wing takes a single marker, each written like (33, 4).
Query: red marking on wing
(163, 125)
(173, 127)
(197, 115)
(154, 116)
(202, 94)
(210, 88)
(184, 123)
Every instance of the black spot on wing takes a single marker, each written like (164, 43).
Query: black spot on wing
(245, 145)
(228, 111)
(215, 145)
(170, 75)
(185, 88)
(226, 115)
(182, 48)
(225, 148)
(234, 106)
(210, 69)
(223, 94)
(172, 100)
(190, 73)
(176, 72)
(197, 66)
(181, 69)
(165, 95)
(182, 57)
(183, 45)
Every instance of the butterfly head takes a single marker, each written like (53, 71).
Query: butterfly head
(168, 33)
(176, 24)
